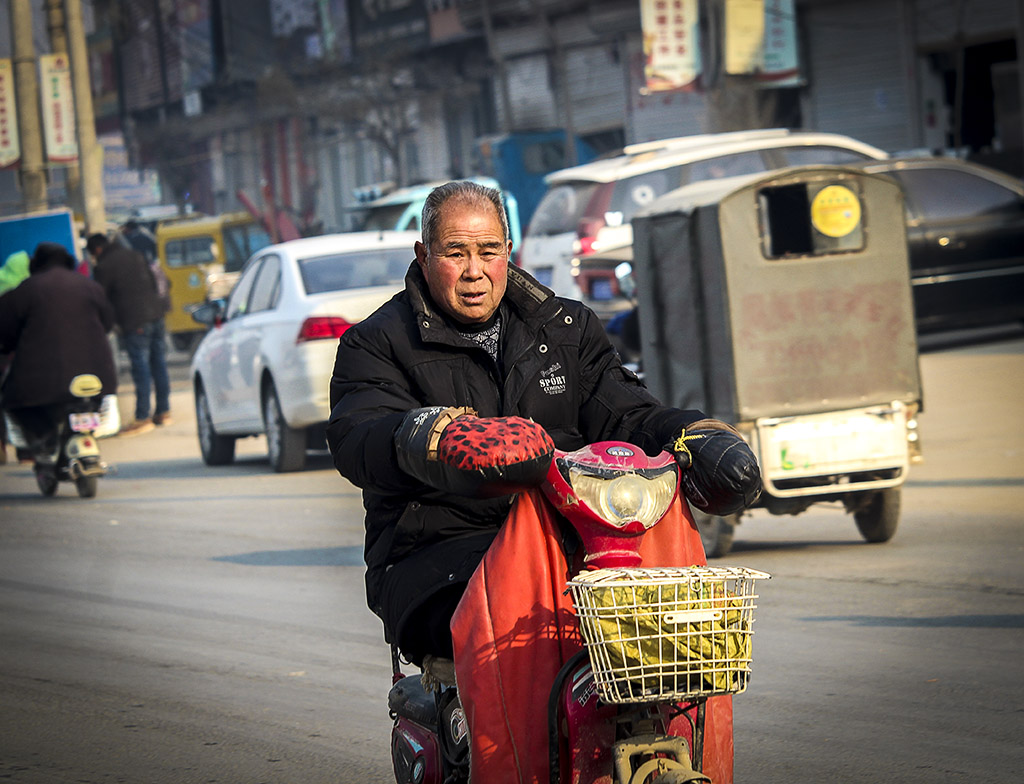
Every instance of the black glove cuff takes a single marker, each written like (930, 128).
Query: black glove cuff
(416, 442)
(724, 477)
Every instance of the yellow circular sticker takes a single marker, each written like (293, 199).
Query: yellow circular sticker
(835, 211)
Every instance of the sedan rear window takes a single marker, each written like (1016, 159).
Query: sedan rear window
(561, 209)
(355, 270)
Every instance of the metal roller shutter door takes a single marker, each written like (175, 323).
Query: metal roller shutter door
(856, 72)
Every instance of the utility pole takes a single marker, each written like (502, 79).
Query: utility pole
(506, 123)
(734, 103)
(556, 56)
(90, 154)
(26, 80)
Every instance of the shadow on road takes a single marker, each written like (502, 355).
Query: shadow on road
(944, 341)
(315, 556)
(195, 468)
(748, 546)
(1007, 621)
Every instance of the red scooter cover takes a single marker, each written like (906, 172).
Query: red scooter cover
(515, 627)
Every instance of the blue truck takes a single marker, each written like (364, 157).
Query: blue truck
(521, 159)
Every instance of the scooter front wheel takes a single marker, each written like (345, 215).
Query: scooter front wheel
(46, 478)
(86, 486)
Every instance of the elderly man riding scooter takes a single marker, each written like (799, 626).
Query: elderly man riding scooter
(452, 395)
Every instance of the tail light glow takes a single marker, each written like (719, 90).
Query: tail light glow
(322, 328)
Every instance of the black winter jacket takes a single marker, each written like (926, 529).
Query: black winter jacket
(56, 323)
(558, 368)
(128, 281)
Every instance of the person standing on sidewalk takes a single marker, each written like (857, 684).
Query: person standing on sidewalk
(128, 281)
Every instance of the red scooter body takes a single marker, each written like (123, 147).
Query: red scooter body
(515, 628)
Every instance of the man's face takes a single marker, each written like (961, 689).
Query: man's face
(467, 267)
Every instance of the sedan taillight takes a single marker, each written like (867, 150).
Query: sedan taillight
(322, 327)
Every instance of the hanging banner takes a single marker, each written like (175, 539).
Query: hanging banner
(10, 146)
(58, 108)
(744, 34)
(671, 44)
(780, 67)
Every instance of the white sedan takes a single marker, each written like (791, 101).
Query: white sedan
(265, 366)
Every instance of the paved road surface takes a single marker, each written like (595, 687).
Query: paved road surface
(207, 625)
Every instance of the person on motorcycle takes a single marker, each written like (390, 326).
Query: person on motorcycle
(473, 335)
(56, 323)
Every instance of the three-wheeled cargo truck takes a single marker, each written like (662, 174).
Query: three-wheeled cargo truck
(781, 303)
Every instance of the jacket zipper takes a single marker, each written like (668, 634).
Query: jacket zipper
(525, 352)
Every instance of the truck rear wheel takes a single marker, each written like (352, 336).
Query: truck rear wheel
(878, 517)
(716, 533)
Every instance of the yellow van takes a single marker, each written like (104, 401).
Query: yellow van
(202, 257)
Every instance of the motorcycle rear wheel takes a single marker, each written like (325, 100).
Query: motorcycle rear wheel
(86, 486)
(46, 479)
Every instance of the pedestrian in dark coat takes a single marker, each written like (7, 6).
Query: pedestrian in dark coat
(56, 323)
(468, 331)
(129, 283)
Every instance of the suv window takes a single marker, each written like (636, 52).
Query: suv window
(937, 194)
(725, 166)
(634, 193)
(811, 156)
(561, 208)
(385, 217)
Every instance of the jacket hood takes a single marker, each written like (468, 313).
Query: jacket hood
(14, 270)
(50, 255)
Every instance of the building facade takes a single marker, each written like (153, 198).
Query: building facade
(299, 103)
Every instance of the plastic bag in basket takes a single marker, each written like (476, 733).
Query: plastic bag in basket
(641, 632)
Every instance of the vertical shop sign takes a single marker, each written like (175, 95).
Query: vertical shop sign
(58, 108)
(780, 68)
(744, 34)
(671, 45)
(10, 147)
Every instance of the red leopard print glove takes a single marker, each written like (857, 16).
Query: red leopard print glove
(503, 454)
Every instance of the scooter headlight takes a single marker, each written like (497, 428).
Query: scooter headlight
(626, 498)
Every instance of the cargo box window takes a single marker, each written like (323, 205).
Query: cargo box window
(810, 219)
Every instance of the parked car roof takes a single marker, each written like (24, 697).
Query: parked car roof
(343, 242)
(411, 193)
(652, 156)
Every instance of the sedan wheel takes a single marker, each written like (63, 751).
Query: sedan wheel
(286, 446)
(216, 449)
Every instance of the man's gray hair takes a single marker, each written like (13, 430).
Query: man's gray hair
(466, 192)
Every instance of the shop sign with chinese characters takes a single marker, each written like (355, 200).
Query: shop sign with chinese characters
(671, 44)
(58, 108)
(10, 146)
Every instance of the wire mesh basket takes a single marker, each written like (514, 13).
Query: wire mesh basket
(667, 634)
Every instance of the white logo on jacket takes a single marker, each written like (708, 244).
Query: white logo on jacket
(550, 383)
